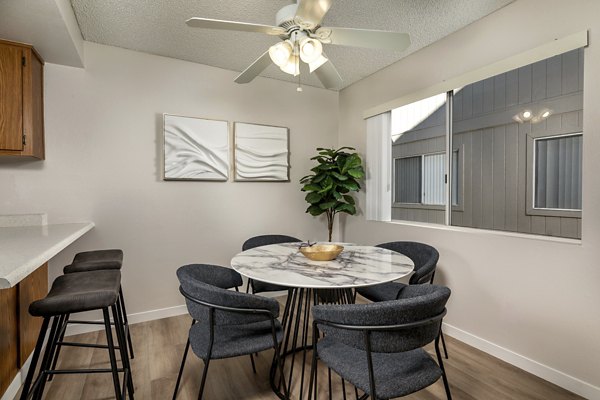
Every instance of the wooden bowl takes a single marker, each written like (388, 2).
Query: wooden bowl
(322, 252)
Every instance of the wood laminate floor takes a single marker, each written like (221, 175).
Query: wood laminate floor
(159, 346)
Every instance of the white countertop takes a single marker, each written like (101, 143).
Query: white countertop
(23, 249)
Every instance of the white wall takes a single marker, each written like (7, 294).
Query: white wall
(103, 152)
(538, 299)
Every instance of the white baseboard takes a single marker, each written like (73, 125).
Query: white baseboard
(545, 372)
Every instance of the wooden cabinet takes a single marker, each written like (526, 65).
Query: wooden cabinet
(19, 330)
(21, 101)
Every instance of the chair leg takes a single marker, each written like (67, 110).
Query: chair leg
(35, 358)
(126, 322)
(443, 343)
(204, 373)
(441, 364)
(252, 361)
(119, 328)
(47, 360)
(185, 353)
(313, 367)
(62, 326)
(111, 353)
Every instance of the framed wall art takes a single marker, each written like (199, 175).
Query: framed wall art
(195, 149)
(261, 152)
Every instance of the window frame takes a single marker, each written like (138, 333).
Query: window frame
(532, 138)
(421, 205)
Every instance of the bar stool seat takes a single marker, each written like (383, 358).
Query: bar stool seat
(99, 260)
(86, 266)
(79, 292)
(115, 255)
(75, 293)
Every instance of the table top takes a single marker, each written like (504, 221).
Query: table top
(356, 266)
(25, 248)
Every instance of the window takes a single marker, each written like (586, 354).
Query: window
(408, 180)
(421, 179)
(516, 141)
(558, 172)
(419, 166)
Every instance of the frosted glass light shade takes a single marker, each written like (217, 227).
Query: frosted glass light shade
(291, 66)
(280, 53)
(310, 50)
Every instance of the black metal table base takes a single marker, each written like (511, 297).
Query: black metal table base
(296, 341)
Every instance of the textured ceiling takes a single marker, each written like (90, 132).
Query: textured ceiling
(158, 27)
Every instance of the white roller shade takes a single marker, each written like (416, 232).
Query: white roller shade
(379, 168)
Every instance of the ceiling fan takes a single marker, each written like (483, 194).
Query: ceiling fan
(302, 38)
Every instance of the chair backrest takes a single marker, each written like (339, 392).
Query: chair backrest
(395, 326)
(201, 281)
(264, 240)
(424, 256)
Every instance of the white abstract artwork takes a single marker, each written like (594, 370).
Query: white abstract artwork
(195, 149)
(261, 152)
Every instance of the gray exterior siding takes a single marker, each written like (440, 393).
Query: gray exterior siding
(496, 152)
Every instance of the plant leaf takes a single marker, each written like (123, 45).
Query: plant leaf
(349, 199)
(327, 205)
(311, 187)
(346, 208)
(357, 173)
(318, 178)
(350, 185)
(337, 195)
(339, 176)
(314, 210)
(313, 198)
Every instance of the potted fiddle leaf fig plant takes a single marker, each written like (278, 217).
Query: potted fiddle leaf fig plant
(335, 177)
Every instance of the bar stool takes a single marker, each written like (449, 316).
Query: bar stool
(95, 260)
(74, 293)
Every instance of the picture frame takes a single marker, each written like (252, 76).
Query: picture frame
(195, 149)
(261, 153)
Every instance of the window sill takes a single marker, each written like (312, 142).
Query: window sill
(419, 206)
(490, 232)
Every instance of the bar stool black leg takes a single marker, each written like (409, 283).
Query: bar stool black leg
(46, 361)
(126, 322)
(35, 358)
(111, 353)
(116, 312)
(62, 328)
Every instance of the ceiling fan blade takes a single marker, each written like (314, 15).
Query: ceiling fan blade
(254, 69)
(364, 38)
(311, 12)
(329, 76)
(234, 26)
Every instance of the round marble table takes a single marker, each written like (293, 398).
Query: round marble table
(356, 266)
(314, 282)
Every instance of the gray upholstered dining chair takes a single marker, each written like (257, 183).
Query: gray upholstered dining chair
(263, 240)
(378, 346)
(229, 324)
(425, 258)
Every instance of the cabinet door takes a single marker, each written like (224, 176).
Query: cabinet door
(9, 337)
(11, 98)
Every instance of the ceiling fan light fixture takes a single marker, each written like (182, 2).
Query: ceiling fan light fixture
(310, 49)
(291, 67)
(281, 52)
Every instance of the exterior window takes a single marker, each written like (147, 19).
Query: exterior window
(558, 172)
(516, 141)
(408, 180)
(418, 133)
